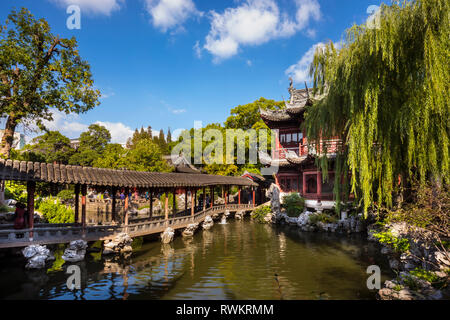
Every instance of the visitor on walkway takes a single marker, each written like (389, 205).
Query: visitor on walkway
(20, 218)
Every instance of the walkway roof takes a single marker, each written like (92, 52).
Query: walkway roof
(66, 174)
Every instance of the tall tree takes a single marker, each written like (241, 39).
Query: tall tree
(39, 71)
(92, 144)
(387, 95)
(52, 146)
(169, 136)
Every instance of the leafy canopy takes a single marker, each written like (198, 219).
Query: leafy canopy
(387, 97)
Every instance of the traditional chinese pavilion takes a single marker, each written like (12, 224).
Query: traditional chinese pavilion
(294, 157)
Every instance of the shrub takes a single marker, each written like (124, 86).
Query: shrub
(16, 191)
(260, 213)
(428, 276)
(66, 196)
(398, 244)
(4, 208)
(322, 217)
(294, 204)
(55, 212)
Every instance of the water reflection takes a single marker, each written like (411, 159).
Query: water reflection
(239, 260)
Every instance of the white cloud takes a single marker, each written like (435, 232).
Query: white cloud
(178, 111)
(119, 132)
(67, 124)
(104, 7)
(197, 50)
(255, 22)
(300, 71)
(168, 14)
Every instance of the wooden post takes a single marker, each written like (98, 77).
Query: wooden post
(31, 188)
(166, 206)
(151, 202)
(83, 205)
(253, 198)
(126, 206)
(113, 203)
(304, 184)
(319, 187)
(226, 198)
(204, 198)
(192, 204)
(77, 202)
(174, 203)
(195, 198)
(211, 190)
(239, 195)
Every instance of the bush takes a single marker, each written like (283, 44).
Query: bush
(260, 213)
(294, 204)
(322, 217)
(55, 212)
(4, 208)
(427, 276)
(16, 191)
(66, 196)
(398, 244)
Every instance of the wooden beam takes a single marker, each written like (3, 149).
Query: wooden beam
(31, 188)
(166, 206)
(239, 195)
(204, 198)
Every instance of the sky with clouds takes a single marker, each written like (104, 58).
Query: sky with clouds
(168, 63)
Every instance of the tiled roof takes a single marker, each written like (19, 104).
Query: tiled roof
(67, 174)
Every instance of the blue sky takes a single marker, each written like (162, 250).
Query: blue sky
(168, 63)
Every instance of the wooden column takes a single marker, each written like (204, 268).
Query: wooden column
(151, 202)
(127, 191)
(239, 195)
(304, 184)
(253, 197)
(185, 201)
(195, 198)
(166, 206)
(77, 202)
(83, 205)
(31, 188)
(211, 190)
(174, 203)
(192, 204)
(226, 197)
(113, 203)
(319, 187)
(204, 198)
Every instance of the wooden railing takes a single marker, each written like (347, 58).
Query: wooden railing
(63, 233)
(330, 146)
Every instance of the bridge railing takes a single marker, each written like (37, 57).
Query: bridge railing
(62, 233)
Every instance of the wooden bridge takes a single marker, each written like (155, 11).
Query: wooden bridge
(64, 233)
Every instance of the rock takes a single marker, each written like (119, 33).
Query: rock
(274, 194)
(75, 252)
(120, 244)
(441, 259)
(239, 215)
(37, 256)
(269, 218)
(394, 264)
(190, 230)
(386, 250)
(167, 235)
(207, 223)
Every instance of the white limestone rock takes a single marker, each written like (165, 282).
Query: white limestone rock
(167, 235)
(207, 223)
(118, 244)
(75, 252)
(37, 256)
(239, 215)
(190, 230)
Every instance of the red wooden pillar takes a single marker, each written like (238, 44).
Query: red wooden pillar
(166, 206)
(239, 195)
(204, 198)
(211, 190)
(195, 198)
(174, 203)
(253, 197)
(83, 205)
(127, 191)
(77, 202)
(192, 203)
(185, 201)
(304, 184)
(319, 187)
(226, 198)
(31, 188)
(151, 202)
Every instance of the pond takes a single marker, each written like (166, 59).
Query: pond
(237, 260)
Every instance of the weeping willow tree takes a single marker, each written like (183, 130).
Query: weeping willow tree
(385, 93)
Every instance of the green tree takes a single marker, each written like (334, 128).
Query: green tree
(39, 71)
(92, 144)
(146, 156)
(113, 157)
(387, 95)
(52, 146)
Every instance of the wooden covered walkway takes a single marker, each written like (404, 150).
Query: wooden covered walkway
(113, 180)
